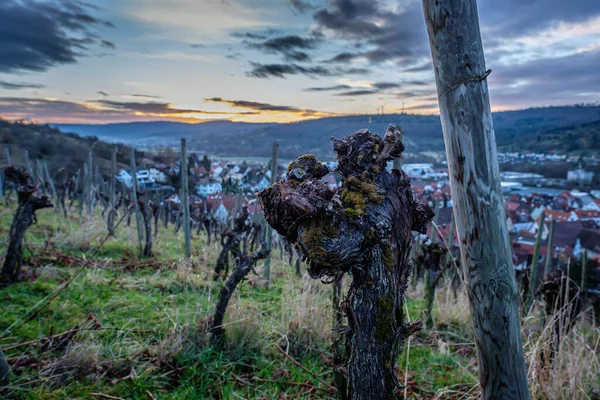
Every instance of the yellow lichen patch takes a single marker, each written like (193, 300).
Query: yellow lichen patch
(313, 237)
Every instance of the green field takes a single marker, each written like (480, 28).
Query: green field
(142, 328)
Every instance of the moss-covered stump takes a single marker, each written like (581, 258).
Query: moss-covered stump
(362, 228)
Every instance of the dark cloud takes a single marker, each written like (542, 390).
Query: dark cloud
(151, 107)
(108, 44)
(197, 46)
(258, 106)
(385, 85)
(391, 35)
(359, 92)
(101, 93)
(547, 81)
(20, 85)
(292, 47)
(298, 56)
(146, 96)
(344, 57)
(421, 67)
(302, 6)
(511, 18)
(327, 88)
(38, 35)
(281, 70)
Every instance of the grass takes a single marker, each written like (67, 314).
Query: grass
(152, 333)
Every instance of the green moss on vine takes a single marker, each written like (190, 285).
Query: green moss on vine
(384, 320)
(313, 237)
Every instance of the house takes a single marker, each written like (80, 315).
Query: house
(208, 186)
(580, 175)
(145, 178)
(158, 175)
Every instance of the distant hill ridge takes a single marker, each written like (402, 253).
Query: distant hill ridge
(514, 130)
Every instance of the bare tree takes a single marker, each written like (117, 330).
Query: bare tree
(460, 71)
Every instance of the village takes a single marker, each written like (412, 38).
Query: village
(569, 219)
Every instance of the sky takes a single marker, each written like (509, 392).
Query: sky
(70, 61)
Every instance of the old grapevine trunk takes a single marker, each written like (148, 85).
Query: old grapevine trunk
(364, 227)
(24, 217)
(459, 65)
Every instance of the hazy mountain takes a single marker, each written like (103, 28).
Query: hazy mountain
(513, 129)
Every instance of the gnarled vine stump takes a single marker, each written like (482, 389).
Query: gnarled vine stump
(362, 228)
(431, 261)
(230, 241)
(24, 217)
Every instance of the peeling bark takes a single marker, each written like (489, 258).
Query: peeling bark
(24, 217)
(364, 228)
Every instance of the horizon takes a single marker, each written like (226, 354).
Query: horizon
(275, 61)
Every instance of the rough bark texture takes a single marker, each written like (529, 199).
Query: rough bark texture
(364, 228)
(24, 217)
(230, 241)
(431, 261)
(459, 65)
(244, 264)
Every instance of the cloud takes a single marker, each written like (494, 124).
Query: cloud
(40, 35)
(327, 88)
(154, 108)
(266, 107)
(101, 93)
(292, 47)
(20, 85)
(197, 45)
(344, 57)
(302, 6)
(385, 85)
(51, 110)
(281, 70)
(145, 96)
(361, 92)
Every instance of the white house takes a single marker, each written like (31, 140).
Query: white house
(158, 175)
(145, 178)
(208, 186)
(580, 175)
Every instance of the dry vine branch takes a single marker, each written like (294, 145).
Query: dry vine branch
(364, 227)
(24, 217)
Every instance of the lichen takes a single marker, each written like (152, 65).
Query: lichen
(370, 190)
(375, 168)
(313, 237)
(384, 320)
(388, 257)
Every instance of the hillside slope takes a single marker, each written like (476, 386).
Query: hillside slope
(422, 132)
(65, 153)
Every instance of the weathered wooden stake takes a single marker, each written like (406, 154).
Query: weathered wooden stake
(457, 53)
(113, 189)
(136, 207)
(8, 157)
(185, 201)
(549, 264)
(535, 280)
(584, 261)
(269, 230)
(89, 194)
(49, 180)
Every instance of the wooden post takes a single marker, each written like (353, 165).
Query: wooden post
(27, 162)
(113, 189)
(457, 53)
(136, 207)
(50, 180)
(89, 184)
(584, 259)
(8, 157)
(269, 230)
(82, 184)
(549, 265)
(40, 176)
(185, 201)
(434, 226)
(534, 278)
